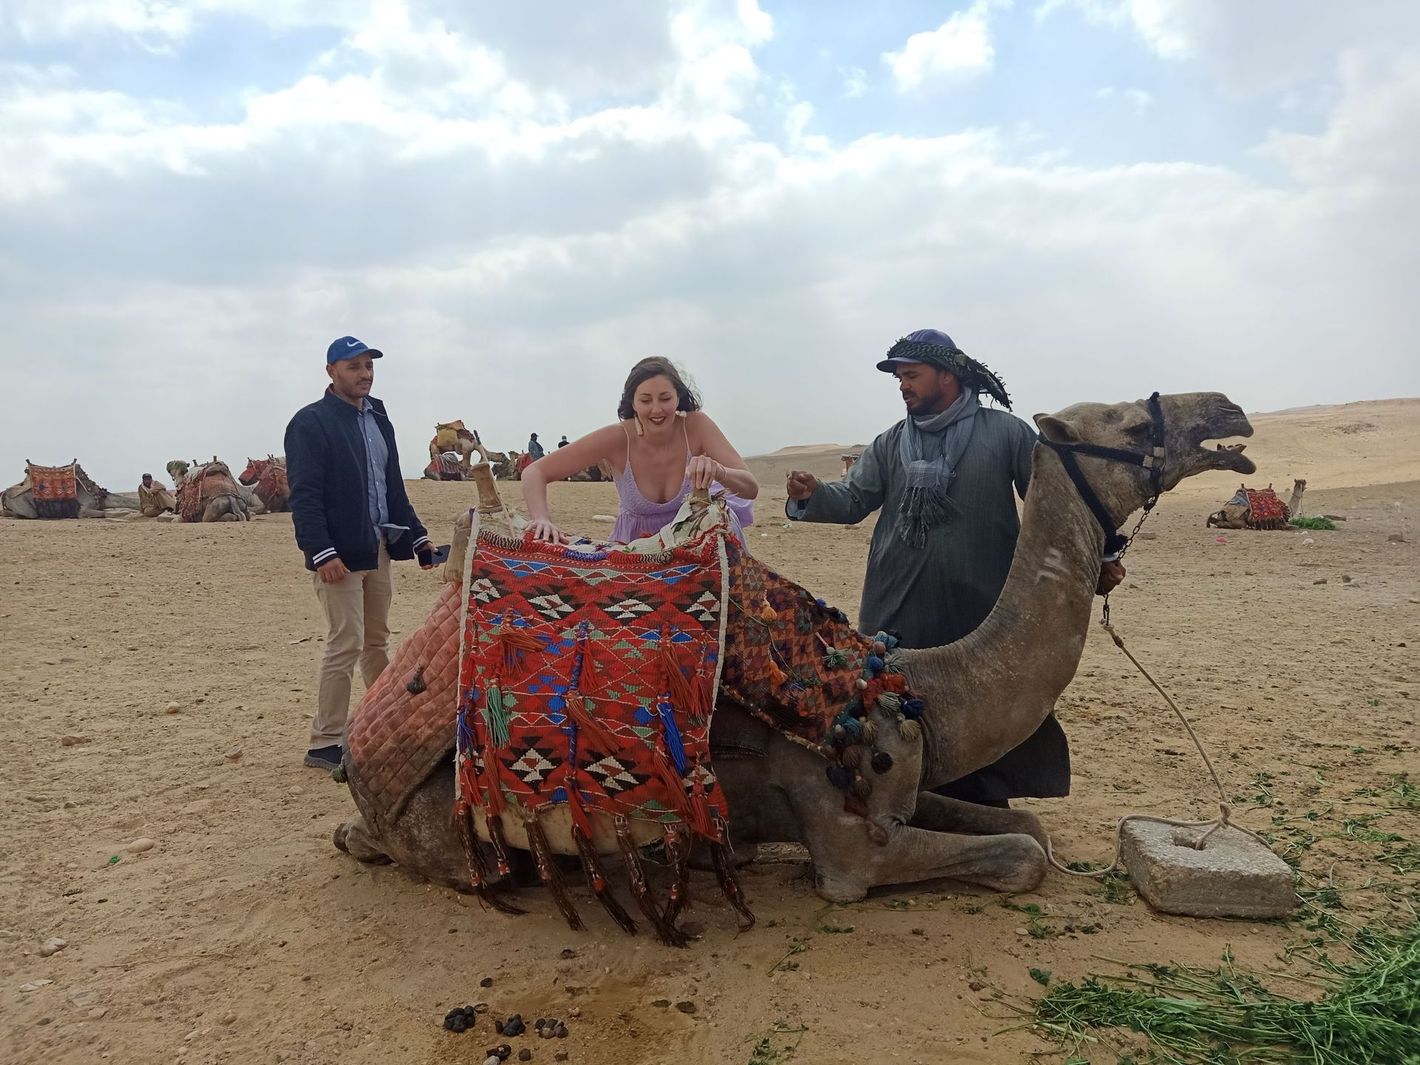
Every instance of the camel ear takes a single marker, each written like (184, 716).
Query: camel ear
(1052, 428)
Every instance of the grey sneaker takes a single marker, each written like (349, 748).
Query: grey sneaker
(327, 758)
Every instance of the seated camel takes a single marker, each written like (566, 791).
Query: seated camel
(267, 477)
(63, 492)
(860, 801)
(1252, 508)
(207, 492)
(451, 451)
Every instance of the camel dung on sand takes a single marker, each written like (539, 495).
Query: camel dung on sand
(979, 697)
(63, 492)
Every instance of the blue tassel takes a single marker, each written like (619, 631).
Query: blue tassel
(912, 709)
(852, 730)
(875, 665)
(675, 746)
(841, 777)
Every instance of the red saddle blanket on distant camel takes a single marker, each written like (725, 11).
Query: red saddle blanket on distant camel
(56, 490)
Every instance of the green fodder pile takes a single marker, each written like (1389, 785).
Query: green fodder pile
(1368, 1012)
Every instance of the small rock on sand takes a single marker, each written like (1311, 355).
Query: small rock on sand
(73, 740)
(173, 707)
(233, 753)
(139, 845)
(52, 946)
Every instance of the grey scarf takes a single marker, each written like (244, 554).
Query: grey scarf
(924, 502)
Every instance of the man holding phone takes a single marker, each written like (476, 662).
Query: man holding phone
(352, 517)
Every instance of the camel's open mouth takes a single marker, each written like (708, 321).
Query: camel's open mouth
(1220, 456)
(1229, 457)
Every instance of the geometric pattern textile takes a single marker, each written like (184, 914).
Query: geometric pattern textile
(1265, 510)
(587, 682)
(56, 490)
(588, 677)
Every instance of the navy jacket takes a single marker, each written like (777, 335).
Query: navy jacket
(326, 466)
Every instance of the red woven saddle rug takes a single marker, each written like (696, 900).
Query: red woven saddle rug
(1265, 510)
(56, 490)
(587, 682)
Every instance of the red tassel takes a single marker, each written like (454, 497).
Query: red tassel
(678, 851)
(512, 643)
(550, 872)
(701, 819)
(590, 727)
(686, 694)
(673, 782)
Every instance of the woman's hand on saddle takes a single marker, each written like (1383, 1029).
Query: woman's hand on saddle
(800, 484)
(703, 471)
(332, 572)
(544, 531)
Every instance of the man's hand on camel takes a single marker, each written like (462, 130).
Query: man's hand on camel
(332, 572)
(546, 532)
(1111, 577)
(800, 484)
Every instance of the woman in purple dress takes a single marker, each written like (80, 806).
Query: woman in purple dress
(664, 445)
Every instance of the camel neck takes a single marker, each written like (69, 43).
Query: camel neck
(990, 690)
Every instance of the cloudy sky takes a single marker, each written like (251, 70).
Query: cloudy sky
(517, 200)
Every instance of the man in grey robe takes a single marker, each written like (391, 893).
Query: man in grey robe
(945, 480)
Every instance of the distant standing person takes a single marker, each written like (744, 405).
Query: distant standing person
(351, 516)
(563, 442)
(664, 445)
(534, 448)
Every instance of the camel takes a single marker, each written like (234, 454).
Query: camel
(208, 492)
(18, 501)
(505, 464)
(451, 451)
(1253, 508)
(982, 695)
(1294, 505)
(267, 478)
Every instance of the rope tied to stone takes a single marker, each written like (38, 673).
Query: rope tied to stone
(1225, 809)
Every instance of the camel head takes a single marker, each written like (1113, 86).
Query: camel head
(255, 468)
(177, 469)
(1189, 420)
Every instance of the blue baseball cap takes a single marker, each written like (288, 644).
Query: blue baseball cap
(348, 348)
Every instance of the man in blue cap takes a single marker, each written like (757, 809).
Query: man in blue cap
(945, 480)
(351, 516)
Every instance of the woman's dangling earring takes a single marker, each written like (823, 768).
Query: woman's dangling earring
(680, 414)
(640, 429)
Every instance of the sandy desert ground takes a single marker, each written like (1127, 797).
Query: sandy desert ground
(243, 936)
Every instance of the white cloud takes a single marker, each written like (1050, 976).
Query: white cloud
(1254, 45)
(855, 82)
(959, 48)
(1139, 100)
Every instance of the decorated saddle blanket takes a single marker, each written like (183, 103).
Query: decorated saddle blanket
(588, 679)
(1266, 511)
(56, 490)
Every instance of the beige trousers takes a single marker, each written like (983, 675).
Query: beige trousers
(357, 609)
